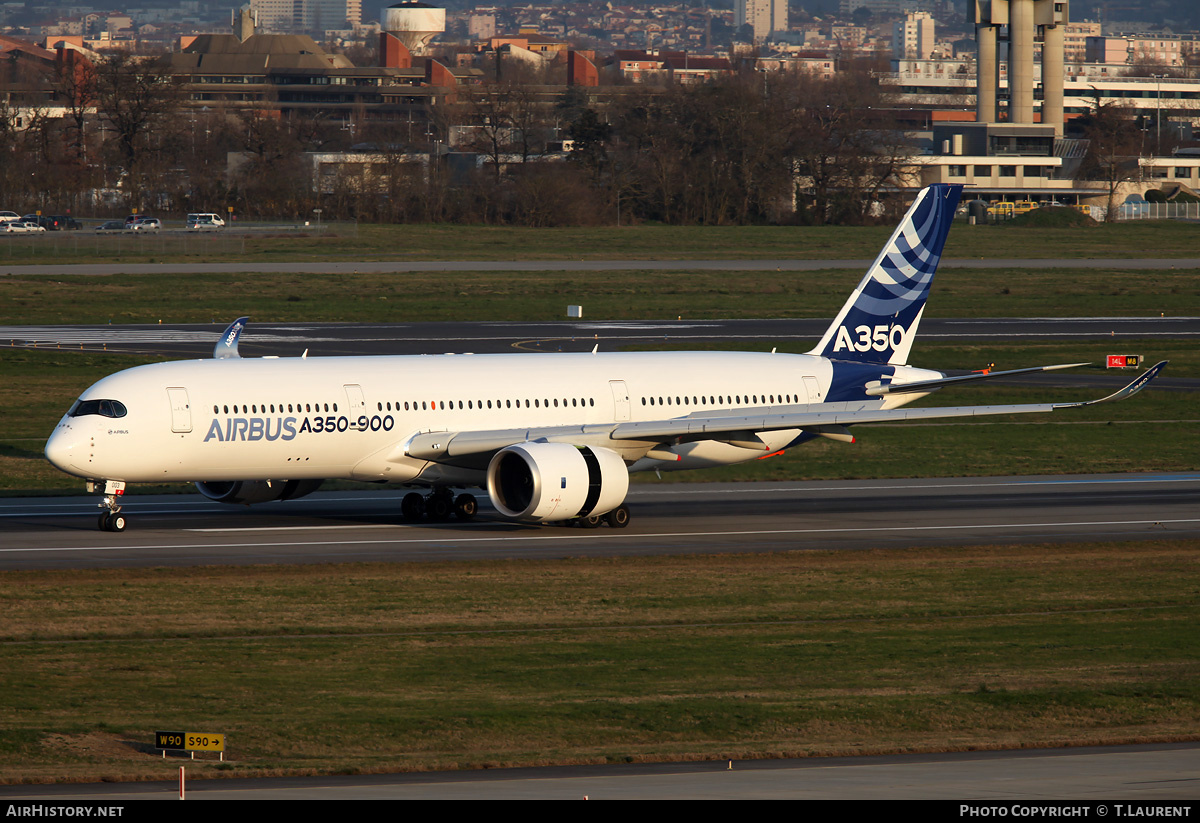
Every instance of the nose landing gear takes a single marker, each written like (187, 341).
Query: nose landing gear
(111, 520)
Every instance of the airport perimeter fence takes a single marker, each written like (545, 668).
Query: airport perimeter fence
(1158, 211)
(85, 245)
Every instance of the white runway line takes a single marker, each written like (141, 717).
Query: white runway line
(451, 539)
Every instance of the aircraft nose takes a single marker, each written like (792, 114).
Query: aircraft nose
(61, 449)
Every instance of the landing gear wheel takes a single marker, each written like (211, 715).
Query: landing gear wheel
(112, 522)
(618, 518)
(592, 521)
(465, 506)
(439, 505)
(412, 507)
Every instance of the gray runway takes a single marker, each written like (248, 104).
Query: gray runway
(668, 519)
(327, 339)
(1021, 780)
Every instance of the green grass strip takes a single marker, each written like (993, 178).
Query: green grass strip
(381, 667)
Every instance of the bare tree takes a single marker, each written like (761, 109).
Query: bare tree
(845, 148)
(1113, 146)
(135, 96)
(75, 83)
(505, 122)
(274, 179)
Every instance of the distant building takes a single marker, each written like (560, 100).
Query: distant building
(913, 37)
(97, 24)
(667, 67)
(283, 16)
(530, 42)
(481, 26)
(275, 16)
(820, 64)
(284, 74)
(848, 35)
(848, 7)
(1161, 50)
(1075, 37)
(763, 16)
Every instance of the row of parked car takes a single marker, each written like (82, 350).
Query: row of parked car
(13, 223)
(134, 222)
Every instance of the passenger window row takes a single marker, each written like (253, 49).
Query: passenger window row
(722, 400)
(111, 408)
(535, 403)
(257, 408)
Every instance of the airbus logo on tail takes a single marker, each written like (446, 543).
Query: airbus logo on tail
(879, 338)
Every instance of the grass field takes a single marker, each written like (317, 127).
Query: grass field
(544, 296)
(382, 667)
(1160, 238)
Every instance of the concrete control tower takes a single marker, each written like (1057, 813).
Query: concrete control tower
(1020, 23)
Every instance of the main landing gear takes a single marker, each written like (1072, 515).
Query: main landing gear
(111, 520)
(439, 506)
(618, 518)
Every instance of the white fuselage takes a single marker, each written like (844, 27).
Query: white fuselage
(351, 417)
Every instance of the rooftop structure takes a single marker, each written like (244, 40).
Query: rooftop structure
(414, 23)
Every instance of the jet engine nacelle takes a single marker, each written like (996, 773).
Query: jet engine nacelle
(256, 491)
(556, 481)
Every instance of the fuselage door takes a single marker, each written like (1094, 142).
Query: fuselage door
(620, 393)
(813, 387)
(354, 396)
(181, 410)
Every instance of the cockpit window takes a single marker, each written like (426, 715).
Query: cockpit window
(104, 408)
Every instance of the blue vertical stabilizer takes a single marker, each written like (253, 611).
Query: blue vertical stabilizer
(879, 321)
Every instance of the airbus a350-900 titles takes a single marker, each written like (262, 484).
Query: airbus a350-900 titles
(551, 437)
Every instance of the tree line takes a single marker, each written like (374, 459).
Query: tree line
(751, 147)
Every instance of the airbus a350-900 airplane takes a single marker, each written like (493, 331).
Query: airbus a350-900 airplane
(552, 437)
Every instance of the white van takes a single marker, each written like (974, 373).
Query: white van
(204, 222)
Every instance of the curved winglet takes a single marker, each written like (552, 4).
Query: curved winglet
(227, 346)
(1139, 383)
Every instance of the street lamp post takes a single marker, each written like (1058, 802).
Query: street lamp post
(1158, 113)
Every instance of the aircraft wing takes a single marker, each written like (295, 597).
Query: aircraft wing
(879, 388)
(737, 428)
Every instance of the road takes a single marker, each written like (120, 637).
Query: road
(400, 266)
